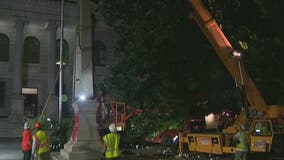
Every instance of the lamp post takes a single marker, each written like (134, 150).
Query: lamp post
(60, 65)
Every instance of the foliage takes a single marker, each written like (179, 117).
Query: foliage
(257, 24)
(150, 123)
(57, 134)
(162, 57)
(166, 62)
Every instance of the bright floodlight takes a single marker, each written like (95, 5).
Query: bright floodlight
(119, 128)
(175, 138)
(236, 54)
(82, 97)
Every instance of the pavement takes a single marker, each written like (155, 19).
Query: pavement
(10, 149)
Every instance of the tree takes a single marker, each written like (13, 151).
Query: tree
(256, 23)
(167, 63)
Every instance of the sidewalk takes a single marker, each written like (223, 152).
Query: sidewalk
(10, 149)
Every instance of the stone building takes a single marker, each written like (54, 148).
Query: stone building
(29, 52)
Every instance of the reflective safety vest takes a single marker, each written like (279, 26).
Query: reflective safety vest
(111, 141)
(243, 145)
(43, 142)
(264, 130)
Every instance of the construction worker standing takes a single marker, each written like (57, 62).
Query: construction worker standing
(41, 143)
(27, 142)
(242, 146)
(111, 141)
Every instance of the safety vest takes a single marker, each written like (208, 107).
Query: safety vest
(43, 140)
(111, 141)
(243, 138)
(27, 140)
(264, 130)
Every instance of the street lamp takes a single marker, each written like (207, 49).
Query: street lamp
(60, 65)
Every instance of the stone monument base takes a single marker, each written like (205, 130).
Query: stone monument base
(78, 151)
(85, 142)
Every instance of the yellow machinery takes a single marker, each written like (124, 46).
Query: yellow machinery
(221, 143)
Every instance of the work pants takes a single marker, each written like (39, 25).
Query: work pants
(27, 155)
(44, 156)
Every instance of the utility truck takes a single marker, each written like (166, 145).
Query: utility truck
(255, 114)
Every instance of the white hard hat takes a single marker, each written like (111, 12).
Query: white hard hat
(112, 127)
(26, 125)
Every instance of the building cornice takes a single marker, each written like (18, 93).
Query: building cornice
(38, 11)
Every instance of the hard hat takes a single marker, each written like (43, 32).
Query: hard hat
(112, 127)
(37, 125)
(26, 125)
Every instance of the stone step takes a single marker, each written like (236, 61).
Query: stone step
(56, 156)
(10, 129)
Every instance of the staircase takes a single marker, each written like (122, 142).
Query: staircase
(10, 129)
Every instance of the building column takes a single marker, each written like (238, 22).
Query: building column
(17, 99)
(52, 105)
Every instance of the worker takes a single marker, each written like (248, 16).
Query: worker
(242, 146)
(41, 148)
(258, 129)
(264, 130)
(111, 141)
(27, 142)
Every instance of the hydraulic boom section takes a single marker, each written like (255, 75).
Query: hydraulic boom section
(227, 54)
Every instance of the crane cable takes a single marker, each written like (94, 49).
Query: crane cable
(50, 93)
(57, 77)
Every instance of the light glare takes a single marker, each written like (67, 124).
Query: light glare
(82, 97)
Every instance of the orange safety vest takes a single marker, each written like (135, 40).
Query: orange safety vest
(43, 142)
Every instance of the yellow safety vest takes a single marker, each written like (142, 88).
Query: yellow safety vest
(43, 142)
(264, 131)
(111, 141)
(243, 138)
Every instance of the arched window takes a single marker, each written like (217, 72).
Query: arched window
(65, 52)
(4, 48)
(100, 57)
(31, 50)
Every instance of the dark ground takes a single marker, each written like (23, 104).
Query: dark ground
(10, 149)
